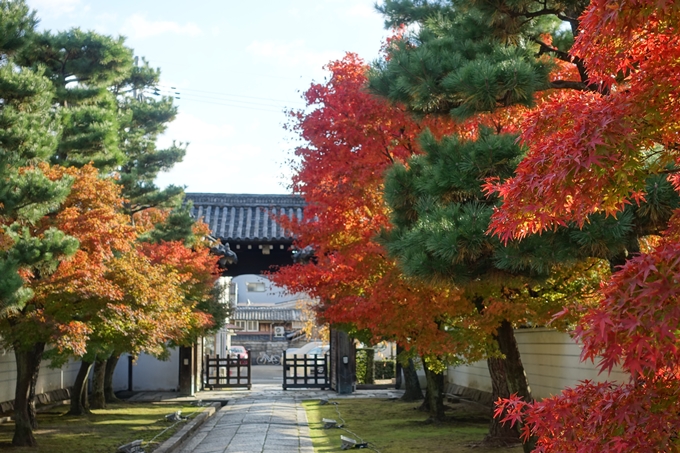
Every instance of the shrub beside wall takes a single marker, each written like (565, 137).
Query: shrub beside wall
(365, 365)
(384, 369)
(368, 369)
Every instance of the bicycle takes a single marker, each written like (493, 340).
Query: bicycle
(265, 358)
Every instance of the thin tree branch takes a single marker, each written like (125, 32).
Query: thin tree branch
(570, 84)
(562, 55)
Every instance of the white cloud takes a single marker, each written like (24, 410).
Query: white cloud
(214, 163)
(244, 152)
(107, 17)
(292, 54)
(223, 168)
(54, 7)
(204, 166)
(137, 26)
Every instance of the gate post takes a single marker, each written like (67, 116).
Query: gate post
(285, 368)
(344, 361)
(250, 370)
(186, 375)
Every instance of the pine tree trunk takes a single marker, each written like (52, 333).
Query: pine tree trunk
(516, 377)
(28, 366)
(79, 394)
(412, 392)
(499, 433)
(98, 400)
(32, 412)
(109, 395)
(434, 396)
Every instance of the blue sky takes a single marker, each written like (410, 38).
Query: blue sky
(237, 65)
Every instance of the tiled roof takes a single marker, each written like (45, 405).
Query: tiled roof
(268, 314)
(245, 216)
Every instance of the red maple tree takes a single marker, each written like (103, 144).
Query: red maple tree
(590, 153)
(351, 138)
(196, 271)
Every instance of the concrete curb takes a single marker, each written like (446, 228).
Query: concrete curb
(183, 434)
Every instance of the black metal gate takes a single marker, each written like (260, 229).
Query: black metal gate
(227, 372)
(306, 371)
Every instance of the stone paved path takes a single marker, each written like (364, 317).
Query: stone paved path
(254, 425)
(265, 419)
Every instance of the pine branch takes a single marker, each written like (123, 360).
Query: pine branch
(545, 48)
(668, 171)
(567, 18)
(539, 13)
(571, 84)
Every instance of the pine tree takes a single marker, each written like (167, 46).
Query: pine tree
(142, 119)
(28, 135)
(95, 116)
(440, 221)
(111, 119)
(83, 66)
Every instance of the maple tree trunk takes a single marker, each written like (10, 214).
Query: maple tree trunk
(28, 366)
(370, 366)
(434, 395)
(498, 432)
(98, 400)
(516, 377)
(79, 405)
(412, 390)
(109, 395)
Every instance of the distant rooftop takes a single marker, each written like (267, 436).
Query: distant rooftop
(245, 216)
(268, 314)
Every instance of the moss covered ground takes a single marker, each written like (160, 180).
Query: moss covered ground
(394, 426)
(102, 431)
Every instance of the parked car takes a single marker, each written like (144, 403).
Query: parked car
(319, 350)
(239, 351)
(313, 355)
(302, 350)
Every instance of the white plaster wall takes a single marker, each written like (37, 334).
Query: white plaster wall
(551, 360)
(272, 295)
(48, 379)
(148, 373)
(474, 376)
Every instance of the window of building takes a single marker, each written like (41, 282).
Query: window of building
(249, 326)
(255, 287)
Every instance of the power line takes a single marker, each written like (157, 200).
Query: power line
(160, 63)
(215, 93)
(235, 103)
(231, 105)
(216, 100)
(181, 95)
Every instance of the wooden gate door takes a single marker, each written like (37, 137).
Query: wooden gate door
(227, 372)
(306, 371)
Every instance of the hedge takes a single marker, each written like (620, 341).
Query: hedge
(384, 369)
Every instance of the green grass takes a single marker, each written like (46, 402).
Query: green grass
(103, 431)
(394, 426)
